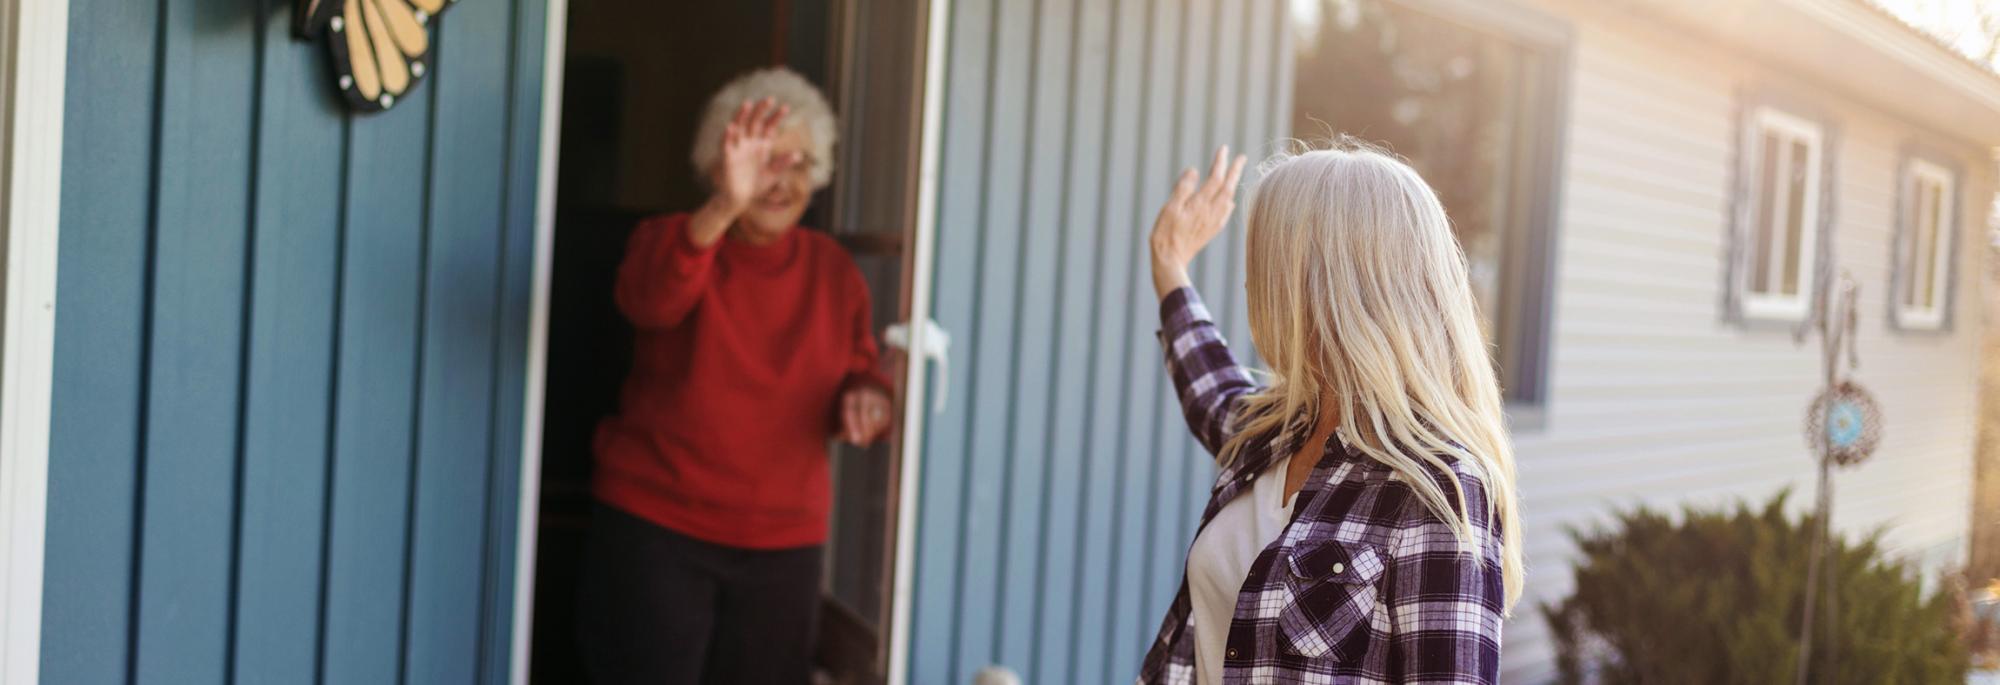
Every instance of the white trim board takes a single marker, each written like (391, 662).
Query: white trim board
(34, 39)
(914, 406)
(528, 512)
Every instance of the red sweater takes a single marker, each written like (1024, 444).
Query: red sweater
(741, 355)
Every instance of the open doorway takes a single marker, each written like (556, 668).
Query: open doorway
(637, 76)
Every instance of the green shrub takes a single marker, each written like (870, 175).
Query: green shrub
(1717, 596)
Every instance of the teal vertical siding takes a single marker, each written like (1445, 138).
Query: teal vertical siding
(291, 347)
(1060, 489)
(97, 423)
(288, 390)
(373, 440)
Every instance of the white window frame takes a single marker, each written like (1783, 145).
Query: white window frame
(1768, 120)
(1931, 317)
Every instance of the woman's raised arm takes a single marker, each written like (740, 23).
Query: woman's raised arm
(666, 267)
(1206, 376)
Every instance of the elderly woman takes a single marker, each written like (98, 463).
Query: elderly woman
(1363, 527)
(753, 349)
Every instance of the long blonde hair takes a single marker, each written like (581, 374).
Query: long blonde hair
(1358, 291)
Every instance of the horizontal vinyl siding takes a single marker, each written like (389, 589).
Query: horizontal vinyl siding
(1653, 399)
(1060, 487)
(290, 352)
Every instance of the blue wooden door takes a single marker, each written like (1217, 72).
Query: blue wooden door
(1060, 488)
(291, 351)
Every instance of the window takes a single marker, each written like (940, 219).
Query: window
(1471, 94)
(1775, 271)
(1924, 230)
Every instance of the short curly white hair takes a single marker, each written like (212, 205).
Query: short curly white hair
(787, 87)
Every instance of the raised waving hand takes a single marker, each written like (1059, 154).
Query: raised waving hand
(1193, 215)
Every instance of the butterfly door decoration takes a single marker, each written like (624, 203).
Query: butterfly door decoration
(380, 48)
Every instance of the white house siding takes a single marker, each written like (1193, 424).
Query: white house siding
(1653, 399)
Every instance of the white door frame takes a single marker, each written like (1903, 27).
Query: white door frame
(915, 409)
(34, 43)
(538, 324)
(528, 512)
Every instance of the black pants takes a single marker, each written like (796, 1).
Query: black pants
(661, 608)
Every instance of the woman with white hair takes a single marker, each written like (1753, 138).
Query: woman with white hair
(1363, 527)
(753, 348)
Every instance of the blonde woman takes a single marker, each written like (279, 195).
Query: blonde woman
(1363, 527)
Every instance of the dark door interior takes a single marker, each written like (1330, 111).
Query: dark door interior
(636, 78)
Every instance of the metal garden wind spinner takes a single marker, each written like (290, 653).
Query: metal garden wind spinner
(1843, 423)
(1843, 426)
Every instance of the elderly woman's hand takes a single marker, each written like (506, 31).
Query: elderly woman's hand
(1192, 216)
(745, 168)
(864, 414)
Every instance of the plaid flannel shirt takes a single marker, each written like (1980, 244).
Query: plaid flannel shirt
(1365, 585)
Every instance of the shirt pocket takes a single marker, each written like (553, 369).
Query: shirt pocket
(1332, 594)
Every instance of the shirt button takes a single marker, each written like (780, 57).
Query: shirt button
(1231, 653)
(1249, 477)
(1338, 567)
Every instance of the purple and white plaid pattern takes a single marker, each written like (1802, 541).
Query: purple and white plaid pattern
(1365, 585)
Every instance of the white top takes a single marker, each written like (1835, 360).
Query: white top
(1220, 560)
